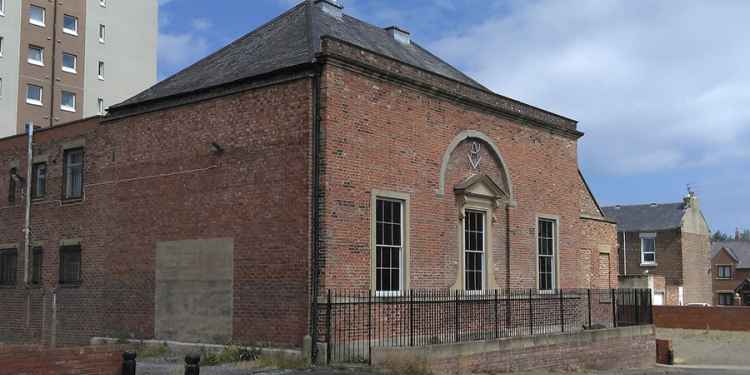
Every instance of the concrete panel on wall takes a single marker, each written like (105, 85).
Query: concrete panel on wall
(194, 283)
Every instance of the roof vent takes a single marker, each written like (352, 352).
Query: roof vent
(334, 8)
(402, 36)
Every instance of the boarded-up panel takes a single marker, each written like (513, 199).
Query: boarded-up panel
(194, 282)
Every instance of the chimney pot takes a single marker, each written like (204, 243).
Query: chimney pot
(399, 34)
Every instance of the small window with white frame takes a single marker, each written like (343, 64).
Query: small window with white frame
(102, 33)
(70, 25)
(68, 101)
(37, 15)
(389, 246)
(100, 70)
(724, 271)
(547, 254)
(35, 55)
(2, 7)
(474, 248)
(100, 105)
(103, 3)
(648, 248)
(70, 63)
(1, 45)
(34, 94)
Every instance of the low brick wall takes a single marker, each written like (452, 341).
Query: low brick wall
(626, 347)
(708, 318)
(36, 360)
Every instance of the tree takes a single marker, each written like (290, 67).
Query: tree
(719, 236)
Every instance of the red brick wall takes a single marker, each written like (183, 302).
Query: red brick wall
(726, 285)
(32, 360)
(152, 178)
(384, 135)
(714, 318)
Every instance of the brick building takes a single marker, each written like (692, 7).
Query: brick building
(316, 152)
(666, 240)
(730, 264)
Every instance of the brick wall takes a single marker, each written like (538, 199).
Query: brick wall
(726, 318)
(33, 360)
(385, 135)
(696, 267)
(630, 347)
(152, 178)
(725, 285)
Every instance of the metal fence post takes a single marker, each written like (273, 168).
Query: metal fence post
(128, 363)
(614, 309)
(497, 318)
(531, 313)
(637, 294)
(457, 336)
(369, 327)
(589, 299)
(562, 311)
(328, 328)
(411, 317)
(192, 364)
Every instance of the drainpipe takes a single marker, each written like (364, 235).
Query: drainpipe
(314, 199)
(27, 220)
(624, 255)
(54, 69)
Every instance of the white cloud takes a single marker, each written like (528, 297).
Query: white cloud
(179, 50)
(201, 24)
(656, 85)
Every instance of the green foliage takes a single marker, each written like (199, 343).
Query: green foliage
(719, 236)
(153, 351)
(281, 361)
(229, 354)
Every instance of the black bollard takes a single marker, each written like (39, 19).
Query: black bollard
(128, 363)
(192, 364)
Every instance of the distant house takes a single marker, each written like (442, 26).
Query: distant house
(670, 240)
(730, 262)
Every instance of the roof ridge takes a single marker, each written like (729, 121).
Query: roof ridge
(644, 204)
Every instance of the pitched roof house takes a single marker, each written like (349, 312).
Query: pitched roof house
(669, 240)
(316, 152)
(730, 264)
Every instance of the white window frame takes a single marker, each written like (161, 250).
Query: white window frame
(555, 281)
(74, 69)
(731, 298)
(70, 31)
(39, 62)
(35, 101)
(100, 70)
(62, 104)
(2, 7)
(401, 273)
(2, 42)
(718, 271)
(103, 3)
(34, 22)
(102, 33)
(484, 214)
(647, 236)
(100, 105)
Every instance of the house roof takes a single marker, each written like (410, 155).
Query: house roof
(646, 217)
(292, 39)
(739, 250)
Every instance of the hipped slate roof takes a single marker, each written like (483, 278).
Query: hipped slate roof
(646, 217)
(292, 39)
(740, 250)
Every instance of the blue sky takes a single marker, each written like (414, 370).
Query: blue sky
(659, 88)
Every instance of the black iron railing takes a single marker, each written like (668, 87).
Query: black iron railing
(353, 322)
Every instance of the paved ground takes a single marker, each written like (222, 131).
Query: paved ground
(173, 369)
(699, 347)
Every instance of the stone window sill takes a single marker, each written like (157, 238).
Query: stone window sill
(649, 264)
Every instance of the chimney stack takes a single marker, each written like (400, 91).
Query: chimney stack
(400, 35)
(333, 8)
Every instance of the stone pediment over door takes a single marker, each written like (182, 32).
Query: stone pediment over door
(481, 187)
